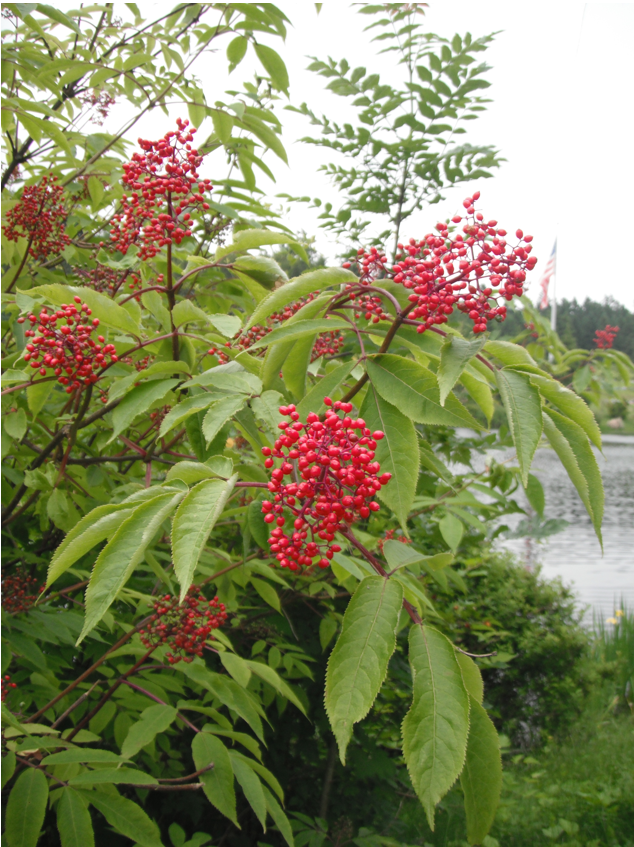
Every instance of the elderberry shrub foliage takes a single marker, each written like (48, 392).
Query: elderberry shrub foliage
(210, 471)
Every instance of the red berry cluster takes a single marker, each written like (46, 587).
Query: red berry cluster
(441, 266)
(101, 101)
(158, 415)
(165, 171)
(604, 338)
(222, 357)
(327, 344)
(40, 216)
(6, 686)
(67, 350)
(19, 591)
(334, 460)
(371, 308)
(102, 278)
(184, 627)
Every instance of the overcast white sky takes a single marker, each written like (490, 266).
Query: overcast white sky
(562, 81)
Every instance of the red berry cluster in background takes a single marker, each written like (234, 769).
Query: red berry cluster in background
(101, 101)
(186, 627)
(19, 591)
(326, 344)
(67, 350)
(40, 216)
(6, 686)
(474, 271)
(371, 308)
(334, 460)
(165, 184)
(604, 338)
(390, 535)
(102, 278)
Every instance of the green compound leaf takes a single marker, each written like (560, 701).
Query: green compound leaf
(127, 818)
(73, 820)
(94, 527)
(455, 354)
(481, 778)
(218, 782)
(193, 522)
(358, 663)
(414, 390)
(296, 289)
(572, 446)
(122, 554)
(397, 453)
(523, 408)
(154, 719)
(25, 810)
(436, 727)
(569, 404)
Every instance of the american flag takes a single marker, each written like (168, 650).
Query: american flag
(549, 271)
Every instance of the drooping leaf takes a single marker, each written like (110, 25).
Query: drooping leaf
(523, 408)
(73, 820)
(274, 65)
(193, 522)
(572, 446)
(251, 786)
(236, 666)
(358, 663)
(25, 809)
(127, 818)
(228, 692)
(436, 727)
(414, 390)
(277, 813)
(535, 494)
(324, 387)
(122, 554)
(455, 354)
(94, 527)
(138, 401)
(219, 413)
(267, 592)
(218, 782)
(153, 720)
(481, 778)
(307, 283)
(479, 391)
(451, 529)
(272, 677)
(569, 404)
(250, 239)
(397, 453)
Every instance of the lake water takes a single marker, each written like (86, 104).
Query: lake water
(600, 581)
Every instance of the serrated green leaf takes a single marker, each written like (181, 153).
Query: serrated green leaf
(451, 529)
(455, 354)
(275, 680)
(73, 820)
(572, 446)
(218, 782)
(122, 554)
(523, 408)
(249, 239)
(479, 391)
(251, 786)
(297, 288)
(280, 819)
(358, 663)
(219, 413)
(154, 719)
(298, 330)
(236, 50)
(510, 354)
(228, 692)
(481, 778)
(193, 472)
(25, 809)
(138, 401)
(94, 527)
(183, 410)
(127, 818)
(15, 424)
(109, 313)
(535, 494)
(397, 453)
(267, 592)
(569, 404)
(471, 676)
(193, 522)
(414, 390)
(236, 667)
(436, 727)
(8, 760)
